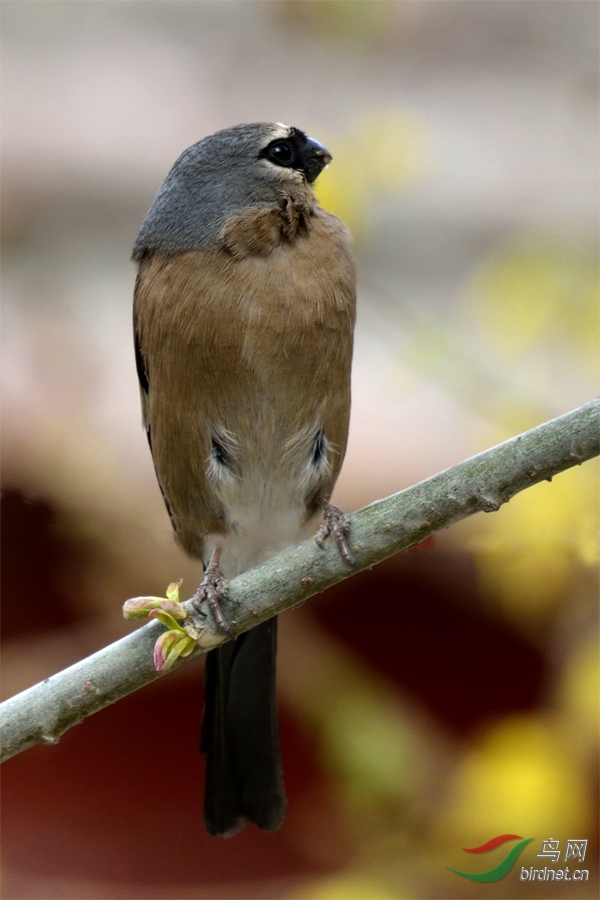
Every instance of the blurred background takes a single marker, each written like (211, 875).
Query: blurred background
(465, 144)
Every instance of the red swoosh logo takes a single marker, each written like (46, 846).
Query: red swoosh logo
(493, 843)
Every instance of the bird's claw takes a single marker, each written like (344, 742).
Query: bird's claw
(337, 524)
(212, 588)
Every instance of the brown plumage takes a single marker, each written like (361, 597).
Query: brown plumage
(254, 354)
(244, 347)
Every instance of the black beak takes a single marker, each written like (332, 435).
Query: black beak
(314, 159)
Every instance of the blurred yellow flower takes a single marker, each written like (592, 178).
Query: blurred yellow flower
(345, 887)
(385, 151)
(519, 777)
(538, 293)
(579, 694)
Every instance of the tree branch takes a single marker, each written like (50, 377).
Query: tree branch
(480, 484)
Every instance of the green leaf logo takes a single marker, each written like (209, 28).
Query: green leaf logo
(504, 867)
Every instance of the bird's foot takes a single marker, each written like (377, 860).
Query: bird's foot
(337, 524)
(212, 588)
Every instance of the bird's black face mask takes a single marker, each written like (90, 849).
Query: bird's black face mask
(298, 152)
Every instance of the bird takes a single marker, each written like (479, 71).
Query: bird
(244, 313)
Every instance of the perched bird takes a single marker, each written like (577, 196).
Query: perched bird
(244, 314)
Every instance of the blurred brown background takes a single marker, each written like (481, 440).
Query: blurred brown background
(465, 143)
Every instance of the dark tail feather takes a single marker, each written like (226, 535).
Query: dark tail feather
(244, 779)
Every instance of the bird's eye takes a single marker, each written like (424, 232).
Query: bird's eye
(281, 153)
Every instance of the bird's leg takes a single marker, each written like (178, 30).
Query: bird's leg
(336, 523)
(213, 586)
